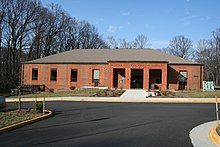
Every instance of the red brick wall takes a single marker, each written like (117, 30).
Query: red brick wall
(144, 66)
(84, 77)
(194, 76)
(84, 72)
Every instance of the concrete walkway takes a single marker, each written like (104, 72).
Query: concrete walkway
(137, 94)
(200, 135)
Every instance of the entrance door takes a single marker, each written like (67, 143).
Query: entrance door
(118, 79)
(182, 78)
(137, 78)
(155, 78)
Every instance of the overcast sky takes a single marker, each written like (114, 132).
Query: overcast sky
(159, 20)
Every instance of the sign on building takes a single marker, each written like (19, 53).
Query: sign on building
(208, 85)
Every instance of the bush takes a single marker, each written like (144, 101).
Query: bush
(164, 93)
(39, 106)
(168, 93)
(72, 87)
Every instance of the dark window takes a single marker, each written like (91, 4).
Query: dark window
(34, 74)
(95, 75)
(73, 76)
(53, 74)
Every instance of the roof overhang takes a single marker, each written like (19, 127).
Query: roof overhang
(121, 61)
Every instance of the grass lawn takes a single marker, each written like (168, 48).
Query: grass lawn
(191, 94)
(218, 130)
(12, 117)
(82, 92)
(197, 94)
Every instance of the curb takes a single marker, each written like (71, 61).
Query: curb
(27, 122)
(89, 99)
(214, 136)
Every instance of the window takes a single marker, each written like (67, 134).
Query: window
(53, 74)
(95, 76)
(183, 73)
(34, 74)
(183, 76)
(73, 76)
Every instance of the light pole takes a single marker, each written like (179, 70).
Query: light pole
(216, 107)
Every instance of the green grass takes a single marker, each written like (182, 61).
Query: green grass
(82, 92)
(218, 130)
(12, 117)
(198, 94)
(191, 94)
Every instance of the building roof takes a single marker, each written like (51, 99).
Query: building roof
(111, 55)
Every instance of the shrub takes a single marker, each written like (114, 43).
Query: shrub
(39, 106)
(164, 93)
(168, 93)
(218, 130)
(72, 87)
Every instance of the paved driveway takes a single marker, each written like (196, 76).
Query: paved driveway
(113, 124)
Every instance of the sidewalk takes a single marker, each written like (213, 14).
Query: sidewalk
(200, 135)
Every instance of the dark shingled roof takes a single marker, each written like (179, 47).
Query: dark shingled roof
(111, 55)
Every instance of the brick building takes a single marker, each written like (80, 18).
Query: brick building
(114, 68)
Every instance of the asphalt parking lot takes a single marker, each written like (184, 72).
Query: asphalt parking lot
(113, 124)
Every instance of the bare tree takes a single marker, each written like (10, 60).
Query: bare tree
(125, 44)
(141, 41)
(57, 23)
(204, 54)
(215, 44)
(36, 38)
(19, 16)
(180, 46)
(207, 53)
(3, 5)
(112, 42)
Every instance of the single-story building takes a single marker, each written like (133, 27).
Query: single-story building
(114, 68)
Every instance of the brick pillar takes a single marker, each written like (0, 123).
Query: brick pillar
(110, 77)
(146, 79)
(164, 78)
(127, 78)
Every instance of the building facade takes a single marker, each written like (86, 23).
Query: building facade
(114, 68)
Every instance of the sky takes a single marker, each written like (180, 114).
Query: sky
(159, 20)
